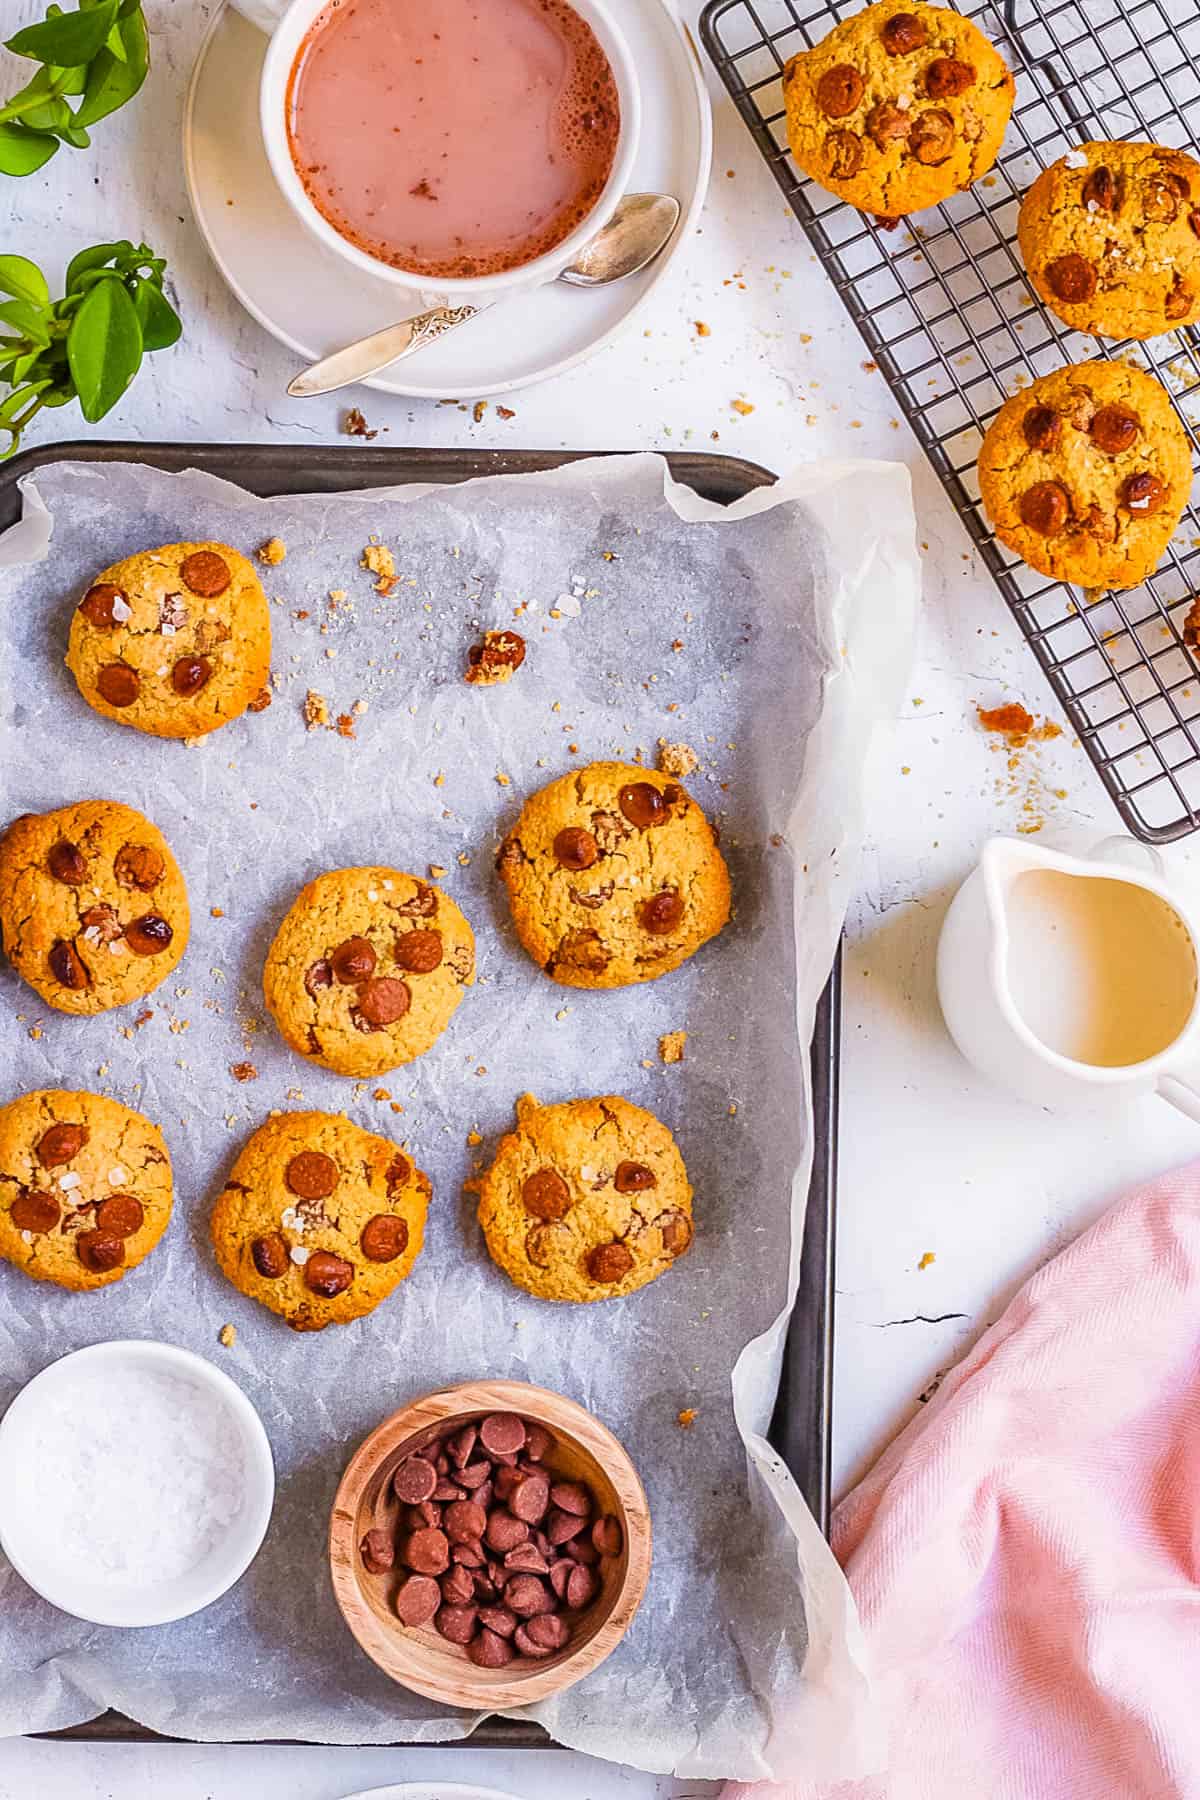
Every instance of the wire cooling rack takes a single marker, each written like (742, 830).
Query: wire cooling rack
(946, 310)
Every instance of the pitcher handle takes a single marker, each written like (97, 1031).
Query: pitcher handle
(1130, 853)
(1181, 1094)
(266, 14)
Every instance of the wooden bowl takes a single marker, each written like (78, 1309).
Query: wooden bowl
(584, 1450)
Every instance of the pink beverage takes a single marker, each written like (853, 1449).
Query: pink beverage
(452, 137)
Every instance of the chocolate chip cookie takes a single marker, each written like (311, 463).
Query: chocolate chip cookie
(173, 641)
(585, 1200)
(319, 1220)
(93, 909)
(614, 876)
(899, 107)
(367, 969)
(1085, 474)
(85, 1187)
(1110, 234)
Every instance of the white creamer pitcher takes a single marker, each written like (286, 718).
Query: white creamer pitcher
(1072, 981)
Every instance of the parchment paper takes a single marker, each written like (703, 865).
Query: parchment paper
(771, 637)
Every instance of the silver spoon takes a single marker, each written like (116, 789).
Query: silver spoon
(641, 226)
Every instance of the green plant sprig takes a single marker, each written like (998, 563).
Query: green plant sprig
(98, 55)
(89, 345)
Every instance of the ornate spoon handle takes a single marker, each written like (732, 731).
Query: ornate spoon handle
(371, 354)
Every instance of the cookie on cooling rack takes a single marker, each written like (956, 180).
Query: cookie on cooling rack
(1085, 474)
(1110, 234)
(898, 108)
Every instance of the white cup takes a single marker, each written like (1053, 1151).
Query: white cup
(289, 24)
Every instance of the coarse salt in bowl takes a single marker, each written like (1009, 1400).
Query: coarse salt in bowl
(136, 1483)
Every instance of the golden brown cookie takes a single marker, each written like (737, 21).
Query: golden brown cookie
(585, 1200)
(899, 107)
(614, 876)
(173, 641)
(93, 910)
(319, 1220)
(85, 1187)
(1085, 474)
(1110, 234)
(367, 969)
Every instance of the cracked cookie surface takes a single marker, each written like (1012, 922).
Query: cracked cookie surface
(585, 1200)
(93, 908)
(85, 1187)
(1110, 234)
(1085, 474)
(174, 641)
(319, 1220)
(898, 108)
(614, 876)
(367, 969)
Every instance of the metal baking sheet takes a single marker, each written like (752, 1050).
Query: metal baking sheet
(801, 1424)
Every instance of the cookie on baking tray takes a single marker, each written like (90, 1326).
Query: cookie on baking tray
(367, 969)
(1085, 474)
(585, 1200)
(93, 909)
(319, 1220)
(899, 107)
(614, 876)
(85, 1187)
(1110, 234)
(173, 641)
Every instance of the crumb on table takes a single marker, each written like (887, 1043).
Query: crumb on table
(354, 424)
(497, 658)
(380, 561)
(670, 1046)
(686, 1418)
(677, 759)
(272, 552)
(243, 1071)
(316, 710)
(227, 1336)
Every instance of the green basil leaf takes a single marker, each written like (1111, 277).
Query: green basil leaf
(111, 82)
(104, 348)
(160, 322)
(23, 366)
(29, 320)
(71, 134)
(69, 39)
(69, 81)
(24, 152)
(23, 280)
(51, 115)
(95, 258)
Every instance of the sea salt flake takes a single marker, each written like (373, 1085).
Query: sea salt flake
(288, 1218)
(27, 1237)
(122, 612)
(71, 1179)
(1075, 159)
(300, 1255)
(116, 1175)
(569, 606)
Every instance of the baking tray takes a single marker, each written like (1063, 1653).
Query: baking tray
(801, 1426)
(948, 314)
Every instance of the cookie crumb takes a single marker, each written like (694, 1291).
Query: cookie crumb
(503, 780)
(354, 425)
(227, 1336)
(744, 407)
(474, 1139)
(677, 759)
(261, 701)
(702, 330)
(496, 659)
(316, 710)
(243, 1071)
(686, 1418)
(144, 1017)
(670, 1046)
(380, 561)
(272, 552)
(436, 871)
(478, 410)
(381, 1093)
(345, 725)
(927, 1260)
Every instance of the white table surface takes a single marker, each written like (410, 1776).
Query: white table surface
(931, 1160)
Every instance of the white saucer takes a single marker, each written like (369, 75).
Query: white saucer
(312, 302)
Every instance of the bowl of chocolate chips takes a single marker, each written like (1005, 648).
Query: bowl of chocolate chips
(489, 1544)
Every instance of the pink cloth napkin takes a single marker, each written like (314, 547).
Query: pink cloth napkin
(1026, 1556)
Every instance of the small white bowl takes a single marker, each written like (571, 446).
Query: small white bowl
(24, 1535)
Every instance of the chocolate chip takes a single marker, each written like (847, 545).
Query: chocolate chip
(428, 1551)
(887, 123)
(327, 1275)
(457, 1624)
(634, 1178)
(149, 935)
(384, 1238)
(642, 804)
(932, 137)
(311, 1174)
(118, 684)
(1071, 278)
(609, 1262)
(464, 1522)
(382, 1001)
(1194, 222)
(353, 961)
(584, 950)
(59, 1144)
(1100, 190)
(502, 1434)
(415, 1480)
(138, 866)
(490, 1651)
(1042, 428)
(1045, 507)
(676, 1229)
(122, 1214)
(575, 848)
(582, 1588)
(527, 1596)
(377, 1551)
(1160, 202)
(542, 1241)
(270, 1256)
(100, 1251)
(190, 674)
(662, 912)
(67, 967)
(500, 654)
(1143, 493)
(843, 154)
(317, 976)
(418, 1600)
(66, 863)
(607, 1536)
(399, 1174)
(504, 1532)
(206, 573)
(97, 604)
(946, 78)
(545, 1195)
(33, 1210)
(839, 91)
(1180, 301)
(903, 33)
(1114, 429)
(419, 952)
